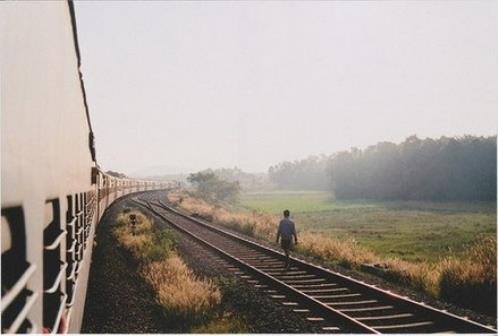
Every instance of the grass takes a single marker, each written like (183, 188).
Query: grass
(187, 301)
(183, 296)
(390, 229)
(447, 250)
(226, 324)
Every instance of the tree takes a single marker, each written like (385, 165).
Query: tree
(212, 188)
(461, 168)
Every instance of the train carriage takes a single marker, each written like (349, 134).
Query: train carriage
(53, 192)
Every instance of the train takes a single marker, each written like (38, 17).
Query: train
(53, 192)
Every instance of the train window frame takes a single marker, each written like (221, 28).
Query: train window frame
(17, 298)
(54, 266)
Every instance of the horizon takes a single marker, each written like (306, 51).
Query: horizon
(253, 84)
(187, 172)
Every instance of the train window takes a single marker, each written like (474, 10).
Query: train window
(95, 174)
(79, 227)
(85, 222)
(17, 299)
(89, 210)
(70, 248)
(54, 269)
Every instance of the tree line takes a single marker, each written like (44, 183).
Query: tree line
(458, 168)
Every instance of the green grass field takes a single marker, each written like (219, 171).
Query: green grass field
(414, 231)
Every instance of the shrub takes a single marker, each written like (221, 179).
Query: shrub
(185, 298)
(136, 240)
(142, 241)
(226, 324)
(471, 279)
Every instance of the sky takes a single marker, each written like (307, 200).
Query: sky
(192, 85)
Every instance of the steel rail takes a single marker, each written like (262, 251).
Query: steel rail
(352, 324)
(454, 322)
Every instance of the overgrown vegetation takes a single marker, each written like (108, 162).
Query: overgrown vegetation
(246, 181)
(471, 279)
(185, 298)
(453, 278)
(253, 224)
(210, 187)
(187, 301)
(388, 228)
(461, 168)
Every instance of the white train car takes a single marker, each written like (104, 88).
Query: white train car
(53, 193)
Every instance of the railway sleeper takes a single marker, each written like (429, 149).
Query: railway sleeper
(284, 272)
(379, 321)
(267, 262)
(278, 296)
(385, 317)
(365, 311)
(296, 277)
(331, 329)
(324, 290)
(267, 269)
(336, 296)
(414, 327)
(301, 311)
(319, 285)
(252, 257)
(304, 281)
(350, 303)
(290, 303)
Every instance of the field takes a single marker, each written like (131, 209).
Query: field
(409, 230)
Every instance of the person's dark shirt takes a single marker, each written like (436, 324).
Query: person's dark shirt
(286, 229)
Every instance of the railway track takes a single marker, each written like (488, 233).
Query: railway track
(341, 304)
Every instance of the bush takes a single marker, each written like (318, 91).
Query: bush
(471, 279)
(210, 187)
(145, 244)
(186, 299)
(226, 324)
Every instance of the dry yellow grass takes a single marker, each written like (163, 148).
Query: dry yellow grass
(466, 280)
(254, 224)
(176, 288)
(347, 253)
(134, 239)
(472, 278)
(179, 290)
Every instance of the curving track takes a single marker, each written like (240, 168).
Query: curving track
(340, 303)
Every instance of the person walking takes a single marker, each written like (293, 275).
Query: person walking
(286, 230)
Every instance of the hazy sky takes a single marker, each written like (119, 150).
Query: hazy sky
(248, 84)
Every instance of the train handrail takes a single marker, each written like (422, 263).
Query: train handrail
(73, 271)
(72, 221)
(73, 246)
(56, 241)
(22, 314)
(57, 280)
(71, 303)
(18, 287)
(55, 328)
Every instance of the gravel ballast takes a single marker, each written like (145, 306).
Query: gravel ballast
(119, 300)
